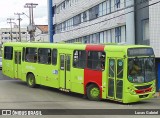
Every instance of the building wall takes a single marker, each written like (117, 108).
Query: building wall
(141, 18)
(5, 35)
(41, 37)
(154, 24)
(107, 21)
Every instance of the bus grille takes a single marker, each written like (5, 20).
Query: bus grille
(143, 87)
(143, 96)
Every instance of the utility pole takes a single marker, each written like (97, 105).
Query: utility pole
(10, 22)
(31, 27)
(19, 19)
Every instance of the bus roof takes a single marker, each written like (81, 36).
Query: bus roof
(110, 47)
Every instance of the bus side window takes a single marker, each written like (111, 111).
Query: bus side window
(8, 52)
(31, 55)
(79, 58)
(54, 56)
(96, 60)
(44, 55)
(23, 54)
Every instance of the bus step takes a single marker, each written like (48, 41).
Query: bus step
(65, 90)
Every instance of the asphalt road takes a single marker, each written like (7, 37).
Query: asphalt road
(15, 94)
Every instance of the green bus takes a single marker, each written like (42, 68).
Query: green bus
(123, 73)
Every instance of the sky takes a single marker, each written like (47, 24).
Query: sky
(9, 7)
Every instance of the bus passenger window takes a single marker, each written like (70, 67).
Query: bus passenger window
(31, 55)
(96, 60)
(79, 59)
(8, 52)
(23, 54)
(44, 55)
(54, 56)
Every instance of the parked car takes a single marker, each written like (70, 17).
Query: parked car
(0, 62)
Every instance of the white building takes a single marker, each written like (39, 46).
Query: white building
(94, 21)
(154, 26)
(41, 34)
(5, 35)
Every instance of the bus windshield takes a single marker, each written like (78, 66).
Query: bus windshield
(141, 70)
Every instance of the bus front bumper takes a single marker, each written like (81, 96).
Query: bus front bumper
(130, 98)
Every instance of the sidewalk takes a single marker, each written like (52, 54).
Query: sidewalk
(157, 94)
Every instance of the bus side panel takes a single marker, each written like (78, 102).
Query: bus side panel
(47, 76)
(31, 68)
(8, 68)
(77, 79)
(104, 82)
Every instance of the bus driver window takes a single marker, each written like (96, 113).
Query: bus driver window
(134, 68)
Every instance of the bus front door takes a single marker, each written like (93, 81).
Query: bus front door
(65, 62)
(17, 62)
(115, 80)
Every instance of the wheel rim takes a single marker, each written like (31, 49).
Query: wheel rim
(30, 80)
(94, 92)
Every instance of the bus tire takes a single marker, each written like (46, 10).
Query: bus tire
(31, 80)
(93, 92)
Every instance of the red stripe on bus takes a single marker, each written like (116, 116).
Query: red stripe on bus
(93, 76)
(143, 90)
(95, 47)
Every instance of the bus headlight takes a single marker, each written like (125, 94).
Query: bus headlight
(131, 90)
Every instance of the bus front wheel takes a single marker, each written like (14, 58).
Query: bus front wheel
(31, 80)
(93, 92)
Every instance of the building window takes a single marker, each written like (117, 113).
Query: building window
(77, 20)
(100, 9)
(93, 12)
(104, 4)
(108, 6)
(23, 32)
(94, 38)
(8, 52)
(84, 16)
(145, 29)
(86, 39)
(63, 5)
(101, 37)
(63, 26)
(44, 55)
(79, 59)
(117, 3)
(118, 34)
(58, 9)
(58, 28)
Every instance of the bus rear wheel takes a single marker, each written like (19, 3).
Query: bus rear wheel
(93, 92)
(31, 80)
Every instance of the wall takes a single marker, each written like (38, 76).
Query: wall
(141, 14)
